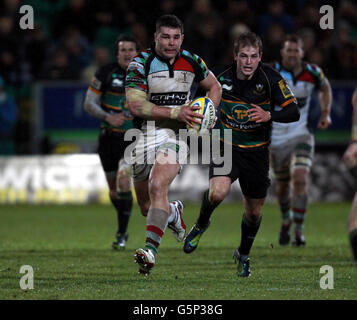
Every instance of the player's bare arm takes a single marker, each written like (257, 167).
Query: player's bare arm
(139, 106)
(213, 88)
(92, 106)
(325, 99)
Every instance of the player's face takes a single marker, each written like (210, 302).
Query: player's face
(247, 59)
(126, 52)
(292, 54)
(168, 42)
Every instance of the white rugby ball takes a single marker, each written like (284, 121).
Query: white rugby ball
(208, 110)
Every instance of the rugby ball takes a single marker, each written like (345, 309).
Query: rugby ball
(208, 110)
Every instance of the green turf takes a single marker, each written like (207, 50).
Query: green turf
(69, 250)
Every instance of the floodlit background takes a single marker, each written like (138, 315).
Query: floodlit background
(48, 142)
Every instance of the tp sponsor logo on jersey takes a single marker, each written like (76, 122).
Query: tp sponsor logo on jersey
(240, 113)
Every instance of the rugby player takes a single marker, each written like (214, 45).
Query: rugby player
(158, 84)
(292, 144)
(105, 100)
(350, 158)
(250, 92)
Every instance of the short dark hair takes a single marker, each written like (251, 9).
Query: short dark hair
(248, 39)
(128, 38)
(169, 20)
(293, 38)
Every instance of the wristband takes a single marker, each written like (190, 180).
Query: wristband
(174, 112)
(269, 116)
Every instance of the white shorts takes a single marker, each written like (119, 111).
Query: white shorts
(150, 143)
(296, 153)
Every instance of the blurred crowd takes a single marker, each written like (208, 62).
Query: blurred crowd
(72, 38)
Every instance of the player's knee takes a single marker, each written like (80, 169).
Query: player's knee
(300, 180)
(253, 208)
(124, 185)
(254, 216)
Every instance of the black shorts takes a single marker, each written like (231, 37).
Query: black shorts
(251, 167)
(111, 149)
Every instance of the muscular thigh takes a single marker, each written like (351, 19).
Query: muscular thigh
(148, 148)
(297, 153)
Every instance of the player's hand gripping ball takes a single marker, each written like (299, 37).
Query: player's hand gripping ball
(208, 110)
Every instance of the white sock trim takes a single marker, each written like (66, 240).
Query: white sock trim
(173, 213)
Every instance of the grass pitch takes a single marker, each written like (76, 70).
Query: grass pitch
(69, 250)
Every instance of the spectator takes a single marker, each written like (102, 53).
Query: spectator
(77, 46)
(276, 15)
(8, 116)
(343, 50)
(59, 67)
(101, 58)
(36, 46)
(203, 27)
(239, 11)
(74, 14)
(272, 43)
(308, 38)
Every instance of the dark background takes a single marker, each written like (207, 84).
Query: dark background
(47, 70)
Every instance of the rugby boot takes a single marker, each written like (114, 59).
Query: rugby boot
(121, 241)
(243, 268)
(178, 226)
(193, 238)
(145, 259)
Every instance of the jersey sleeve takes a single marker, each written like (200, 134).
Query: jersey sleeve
(98, 81)
(199, 66)
(202, 70)
(135, 76)
(281, 92)
(318, 75)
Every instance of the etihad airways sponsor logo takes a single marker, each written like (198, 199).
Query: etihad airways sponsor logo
(171, 98)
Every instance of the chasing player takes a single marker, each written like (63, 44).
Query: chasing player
(292, 144)
(105, 100)
(250, 92)
(350, 158)
(158, 86)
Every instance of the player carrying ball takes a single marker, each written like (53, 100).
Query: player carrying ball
(158, 87)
